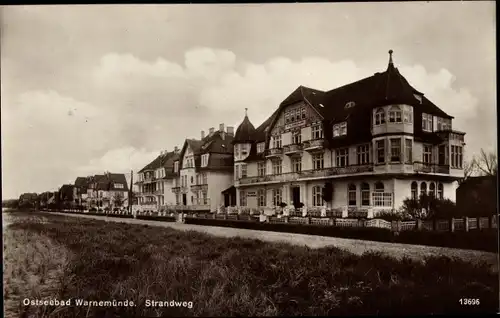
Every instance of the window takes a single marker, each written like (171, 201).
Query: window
(423, 188)
(295, 114)
(244, 170)
(236, 172)
(380, 151)
(408, 116)
(408, 151)
(192, 179)
(340, 129)
(262, 197)
(427, 154)
(414, 190)
(379, 187)
(418, 97)
(382, 199)
(318, 161)
(342, 157)
(204, 160)
(204, 196)
(456, 157)
(426, 122)
(176, 166)
(395, 114)
(363, 154)
(442, 154)
(432, 189)
(365, 194)
(261, 169)
(443, 124)
(119, 185)
(277, 141)
(243, 198)
(350, 104)
(316, 132)
(317, 196)
(277, 166)
(260, 147)
(237, 150)
(440, 191)
(296, 137)
(296, 164)
(351, 194)
(205, 179)
(380, 116)
(395, 150)
(244, 150)
(277, 197)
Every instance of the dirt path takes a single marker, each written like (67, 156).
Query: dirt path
(354, 246)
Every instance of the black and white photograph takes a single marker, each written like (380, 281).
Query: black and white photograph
(249, 159)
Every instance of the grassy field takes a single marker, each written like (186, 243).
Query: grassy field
(98, 260)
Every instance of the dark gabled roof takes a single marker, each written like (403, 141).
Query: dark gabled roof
(106, 182)
(160, 161)
(216, 143)
(81, 182)
(245, 131)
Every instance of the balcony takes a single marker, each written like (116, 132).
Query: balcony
(430, 168)
(314, 145)
(176, 189)
(158, 192)
(306, 174)
(150, 179)
(292, 149)
(274, 152)
(198, 187)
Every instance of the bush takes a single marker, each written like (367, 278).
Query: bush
(389, 215)
(429, 207)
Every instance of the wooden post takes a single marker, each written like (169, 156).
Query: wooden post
(452, 225)
(466, 224)
(331, 221)
(419, 224)
(478, 223)
(308, 220)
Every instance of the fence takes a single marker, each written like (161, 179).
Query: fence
(452, 225)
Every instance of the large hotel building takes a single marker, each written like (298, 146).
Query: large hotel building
(365, 146)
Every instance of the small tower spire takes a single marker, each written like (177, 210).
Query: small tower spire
(390, 57)
(246, 109)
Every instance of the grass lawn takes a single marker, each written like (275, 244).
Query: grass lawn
(98, 260)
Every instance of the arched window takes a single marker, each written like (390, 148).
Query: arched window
(432, 189)
(379, 187)
(440, 190)
(395, 115)
(317, 196)
(414, 190)
(365, 194)
(351, 194)
(380, 116)
(423, 188)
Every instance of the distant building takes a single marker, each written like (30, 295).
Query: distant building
(28, 200)
(364, 146)
(204, 170)
(154, 182)
(109, 190)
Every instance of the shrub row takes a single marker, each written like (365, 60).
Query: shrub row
(157, 218)
(484, 240)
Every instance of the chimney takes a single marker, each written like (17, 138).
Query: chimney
(211, 131)
(230, 130)
(221, 127)
(202, 134)
(176, 149)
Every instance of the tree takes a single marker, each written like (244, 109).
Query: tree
(429, 207)
(486, 163)
(118, 199)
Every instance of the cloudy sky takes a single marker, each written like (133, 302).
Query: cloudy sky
(91, 88)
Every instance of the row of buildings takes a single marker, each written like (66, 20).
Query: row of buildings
(102, 191)
(365, 146)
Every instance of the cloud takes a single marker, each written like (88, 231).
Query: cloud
(137, 107)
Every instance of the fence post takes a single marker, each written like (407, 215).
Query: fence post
(285, 219)
(419, 224)
(308, 220)
(466, 224)
(331, 221)
(452, 225)
(479, 223)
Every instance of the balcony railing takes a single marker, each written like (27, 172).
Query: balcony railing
(430, 168)
(292, 176)
(176, 189)
(149, 179)
(274, 152)
(198, 187)
(292, 149)
(314, 144)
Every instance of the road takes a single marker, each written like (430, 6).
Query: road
(417, 252)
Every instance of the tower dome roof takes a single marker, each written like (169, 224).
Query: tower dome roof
(245, 131)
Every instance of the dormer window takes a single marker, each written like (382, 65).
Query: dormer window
(426, 122)
(204, 160)
(118, 185)
(380, 117)
(395, 115)
(295, 114)
(340, 129)
(350, 104)
(260, 147)
(176, 166)
(418, 97)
